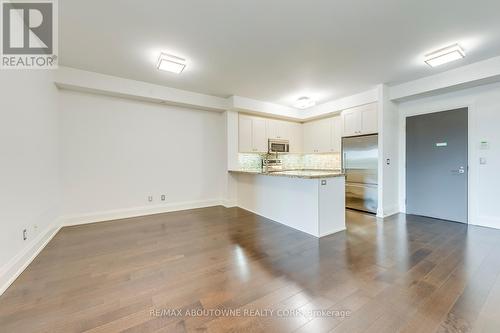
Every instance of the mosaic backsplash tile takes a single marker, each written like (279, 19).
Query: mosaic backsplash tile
(294, 161)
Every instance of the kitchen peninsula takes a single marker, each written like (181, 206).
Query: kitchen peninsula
(312, 201)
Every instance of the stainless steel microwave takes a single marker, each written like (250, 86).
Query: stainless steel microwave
(278, 146)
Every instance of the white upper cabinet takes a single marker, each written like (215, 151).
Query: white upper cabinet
(259, 135)
(323, 136)
(352, 122)
(308, 135)
(296, 138)
(317, 136)
(245, 134)
(336, 144)
(278, 129)
(360, 120)
(369, 119)
(252, 134)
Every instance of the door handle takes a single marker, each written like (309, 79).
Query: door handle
(460, 170)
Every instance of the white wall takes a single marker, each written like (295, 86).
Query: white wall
(116, 152)
(484, 124)
(388, 119)
(29, 176)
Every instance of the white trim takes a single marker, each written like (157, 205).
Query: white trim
(391, 210)
(333, 107)
(118, 214)
(97, 83)
(486, 221)
(328, 233)
(229, 203)
(468, 76)
(470, 136)
(80, 80)
(11, 270)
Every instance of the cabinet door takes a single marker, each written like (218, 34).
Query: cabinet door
(323, 135)
(245, 134)
(308, 137)
(317, 136)
(351, 121)
(278, 129)
(284, 129)
(369, 119)
(272, 128)
(336, 143)
(259, 135)
(295, 137)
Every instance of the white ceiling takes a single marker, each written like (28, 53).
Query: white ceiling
(274, 50)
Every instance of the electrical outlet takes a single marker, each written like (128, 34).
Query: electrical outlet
(163, 197)
(25, 234)
(150, 198)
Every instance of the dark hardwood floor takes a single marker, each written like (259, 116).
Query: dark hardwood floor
(404, 274)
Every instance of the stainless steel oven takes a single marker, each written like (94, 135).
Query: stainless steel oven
(278, 146)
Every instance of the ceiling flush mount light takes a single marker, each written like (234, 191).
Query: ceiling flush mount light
(445, 55)
(170, 63)
(304, 103)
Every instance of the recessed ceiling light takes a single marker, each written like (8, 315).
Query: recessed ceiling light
(170, 63)
(304, 103)
(445, 55)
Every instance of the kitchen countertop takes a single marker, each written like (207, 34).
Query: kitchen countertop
(307, 174)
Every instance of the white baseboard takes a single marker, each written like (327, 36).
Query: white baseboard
(486, 221)
(391, 210)
(137, 211)
(11, 270)
(229, 203)
(388, 211)
(331, 232)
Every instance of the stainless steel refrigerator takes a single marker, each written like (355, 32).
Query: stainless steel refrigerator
(360, 164)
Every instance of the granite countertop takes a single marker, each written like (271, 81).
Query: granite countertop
(308, 174)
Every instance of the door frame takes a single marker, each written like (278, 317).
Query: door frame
(470, 135)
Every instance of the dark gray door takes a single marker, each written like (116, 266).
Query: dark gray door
(436, 165)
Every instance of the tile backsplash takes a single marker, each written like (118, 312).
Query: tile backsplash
(293, 161)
